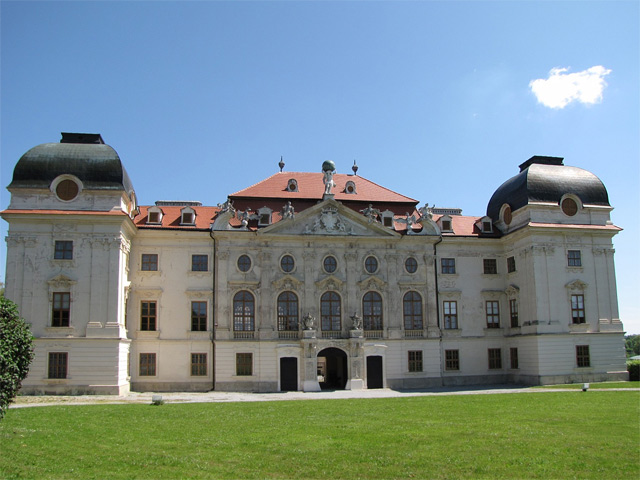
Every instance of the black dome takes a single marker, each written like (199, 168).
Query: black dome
(547, 179)
(97, 165)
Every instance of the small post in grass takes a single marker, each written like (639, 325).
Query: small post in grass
(585, 387)
(157, 400)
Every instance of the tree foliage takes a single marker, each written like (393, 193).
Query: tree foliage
(16, 352)
(632, 345)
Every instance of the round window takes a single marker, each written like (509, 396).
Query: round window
(244, 263)
(569, 207)
(411, 265)
(287, 263)
(506, 215)
(330, 264)
(67, 190)
(371, 264)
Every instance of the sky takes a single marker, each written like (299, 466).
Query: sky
(439, 101)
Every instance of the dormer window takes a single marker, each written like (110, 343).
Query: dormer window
(350, 188)
(264, 216)
(292, 185)
(445, 223)
(387, 218)
(187, 216)
(485, 225)
(154, 216)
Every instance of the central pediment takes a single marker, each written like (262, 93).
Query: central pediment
(328, 218)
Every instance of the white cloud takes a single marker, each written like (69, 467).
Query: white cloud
(562, 88)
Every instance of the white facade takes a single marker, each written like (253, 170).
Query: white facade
(311, 290)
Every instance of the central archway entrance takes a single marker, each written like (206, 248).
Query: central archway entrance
(332, 369)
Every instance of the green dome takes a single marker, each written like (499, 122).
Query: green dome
(328, 165)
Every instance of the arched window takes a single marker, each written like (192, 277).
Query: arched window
(372, 311)
(288, 311)
(412, 311)
(243, 312)
(330, 311)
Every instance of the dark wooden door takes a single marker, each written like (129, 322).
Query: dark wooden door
(288, 374)
(374, 371)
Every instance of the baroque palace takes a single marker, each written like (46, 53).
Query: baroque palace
(307, 281)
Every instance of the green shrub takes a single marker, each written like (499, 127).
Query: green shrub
(633, 367)
(16, 352)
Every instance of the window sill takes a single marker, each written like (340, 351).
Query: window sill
(494, 332)
(451, 332)
(149, 272)
(579, 327)
(199, 273)
(60, 331)
(198, 334)
(147, 333)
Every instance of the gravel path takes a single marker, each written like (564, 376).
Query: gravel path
(205, 397)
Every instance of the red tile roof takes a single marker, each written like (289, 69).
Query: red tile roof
(62, 212)
(171, 217)
(311, 187)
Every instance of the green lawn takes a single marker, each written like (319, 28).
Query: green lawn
(528, 435)
(601, 385)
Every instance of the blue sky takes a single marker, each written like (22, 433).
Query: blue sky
(436, 100)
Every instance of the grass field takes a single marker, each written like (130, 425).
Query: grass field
(530, 435)
(598, 386)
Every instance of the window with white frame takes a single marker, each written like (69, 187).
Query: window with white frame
(577, 309)
(448, 265)
(574, 258)
(63, 250)
(450, 312)
(493, 313)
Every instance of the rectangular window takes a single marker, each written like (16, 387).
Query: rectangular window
(448, 265)
(60, 309)
(513, 312)
(451, 360)
(58, 364)
(63, 250)
(154, 217)
(490, 266)
(513, 354)
(148, 316)
(244, 364)
(199, 364)
(415, 360)
(582, 356)
(495, 358)
(446, 225)
(150, 262)
(577, 309)
(199, 263)
(187, 218)
(450, 309)
(493, 313)
(199, 316)
(147, 364)
(574, 258)
(511, 264)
